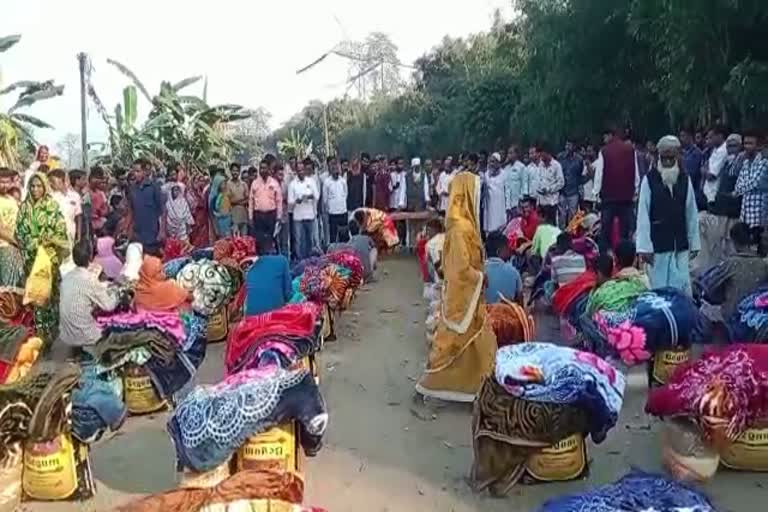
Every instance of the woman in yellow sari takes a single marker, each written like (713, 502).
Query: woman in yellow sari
(464, 347)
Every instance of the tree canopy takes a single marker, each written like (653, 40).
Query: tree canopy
(565, 68)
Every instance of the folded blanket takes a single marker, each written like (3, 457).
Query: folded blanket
(547, 373)
(506, 430)
(293, 319)
(724, 391)
(243, 485)
(212, 422)
(34, 408)
(637, 491)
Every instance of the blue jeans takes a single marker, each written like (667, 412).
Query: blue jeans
(305, 231)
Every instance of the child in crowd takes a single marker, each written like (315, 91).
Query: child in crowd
(567, 264)
(545, 237)
(626, 261)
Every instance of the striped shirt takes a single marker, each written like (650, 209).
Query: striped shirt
(567, 267)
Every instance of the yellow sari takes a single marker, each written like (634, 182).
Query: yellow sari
(464, 347)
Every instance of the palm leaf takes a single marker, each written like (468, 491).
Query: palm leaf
(8, 41)
(16, 85)
(34, 121)
(186, 83)
(31, 99)
(130, 74)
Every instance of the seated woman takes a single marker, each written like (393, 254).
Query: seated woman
(154, 292)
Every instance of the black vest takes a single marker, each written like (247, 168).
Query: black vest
(414, 192)
(669, 230)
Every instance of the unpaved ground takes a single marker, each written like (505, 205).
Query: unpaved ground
(382, 453)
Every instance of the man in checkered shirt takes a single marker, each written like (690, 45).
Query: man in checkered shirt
(752, 185)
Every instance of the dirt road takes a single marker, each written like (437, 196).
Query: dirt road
(383, 454)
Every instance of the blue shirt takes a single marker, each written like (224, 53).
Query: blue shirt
(147, 202)
(503, 278)
(267, 285)
(573, 167)
(692, 160)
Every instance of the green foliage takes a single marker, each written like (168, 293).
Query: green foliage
(17, 128)
(183, 129)
(567, 68)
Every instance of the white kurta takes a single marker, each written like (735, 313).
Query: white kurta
(495, 202)
(669, 268)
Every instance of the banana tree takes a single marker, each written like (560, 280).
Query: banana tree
(295, 145)
(17, 128)
(179, 128)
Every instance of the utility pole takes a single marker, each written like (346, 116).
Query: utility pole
(83, 60)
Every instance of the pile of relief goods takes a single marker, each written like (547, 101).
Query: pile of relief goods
(242, 442)
(531, 418)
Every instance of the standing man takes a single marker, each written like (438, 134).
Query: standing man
(335, 196)
(495, 200)
(589, 198)
(238, 195)
(615, 184)
(550, 183)
(148, 207)
(97, 183)
(750, 186)
(397, 197)
(531, 176)
(382, 180)
(357, 185)
(573, 172)
(667, 220)
(69, 202)
(265, 203)
(79, 184)
(302, 196)
(514, 171)
(693, 158)
(443, 185)
(716, 162)
(416, 187)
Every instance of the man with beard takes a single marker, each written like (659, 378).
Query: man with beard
(667, 220)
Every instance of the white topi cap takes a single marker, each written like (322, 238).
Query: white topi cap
(415, 162)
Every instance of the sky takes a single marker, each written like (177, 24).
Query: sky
(249, 49)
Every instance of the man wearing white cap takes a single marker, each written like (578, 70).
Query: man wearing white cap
(494, 200)
(416, 188)
(667, 220)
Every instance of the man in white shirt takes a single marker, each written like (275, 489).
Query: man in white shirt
(716, 162)
(69, 202)
(302, 197)
(335, 203)
(397, 194)
(443, 184)
(530, 184)
(550, 181)
(514, 174)
(494, 200)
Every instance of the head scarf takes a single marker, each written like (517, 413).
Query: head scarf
(134, 255)
(105, 257)
(154, 291)
(40, 221)
(46, 186)
(464, 203)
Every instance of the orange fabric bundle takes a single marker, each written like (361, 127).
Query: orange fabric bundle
(243, 485)
(511, 323)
